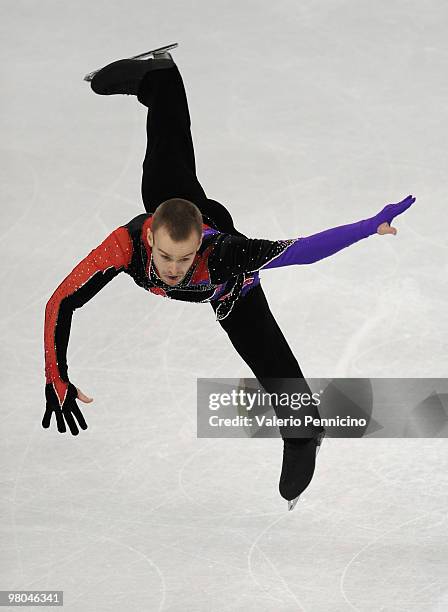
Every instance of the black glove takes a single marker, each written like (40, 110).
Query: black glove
(69, 410)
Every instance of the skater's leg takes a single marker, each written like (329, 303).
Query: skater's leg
(255, 334)
(169, 168)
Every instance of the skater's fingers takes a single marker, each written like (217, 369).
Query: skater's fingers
(405, 204)
(71, 422)
(399, 207)
(79, 416)
(47, 417)
(60, 420)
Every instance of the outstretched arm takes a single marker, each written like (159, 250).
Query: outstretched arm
(94, 272)
(318, 246)
(236, 254)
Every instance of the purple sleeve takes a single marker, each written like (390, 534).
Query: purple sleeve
(318, 246)
(233, 255)
(326, 243)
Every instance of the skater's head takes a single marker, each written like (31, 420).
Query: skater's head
(175, 236)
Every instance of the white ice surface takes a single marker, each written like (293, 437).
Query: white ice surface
(305, 115)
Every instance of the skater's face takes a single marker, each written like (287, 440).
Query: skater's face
(172, 259)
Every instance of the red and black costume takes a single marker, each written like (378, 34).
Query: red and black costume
(219, 273)
(225, 269)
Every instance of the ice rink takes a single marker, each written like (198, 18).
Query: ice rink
(305, 116)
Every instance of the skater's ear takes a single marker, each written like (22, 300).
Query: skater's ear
(150, 237)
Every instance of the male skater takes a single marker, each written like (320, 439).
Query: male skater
(186, 247)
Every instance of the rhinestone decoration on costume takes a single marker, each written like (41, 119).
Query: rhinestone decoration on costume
(225, 267)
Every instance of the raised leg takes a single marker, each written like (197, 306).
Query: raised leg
(169, 168)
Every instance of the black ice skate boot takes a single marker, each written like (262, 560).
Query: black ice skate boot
(299, 461)
(124, 76)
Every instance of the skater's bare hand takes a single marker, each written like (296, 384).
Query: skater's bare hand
(385, 228)
(83, 397)
(69, 413)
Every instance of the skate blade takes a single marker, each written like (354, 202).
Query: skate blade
(159, 50)
(90, 75)
(292, 503)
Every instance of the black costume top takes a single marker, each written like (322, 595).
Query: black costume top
(224, 268)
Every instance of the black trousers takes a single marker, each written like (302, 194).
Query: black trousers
(169, 171)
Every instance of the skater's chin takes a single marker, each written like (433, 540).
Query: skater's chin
(172, 280)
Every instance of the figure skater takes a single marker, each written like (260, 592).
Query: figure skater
(186, 247)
